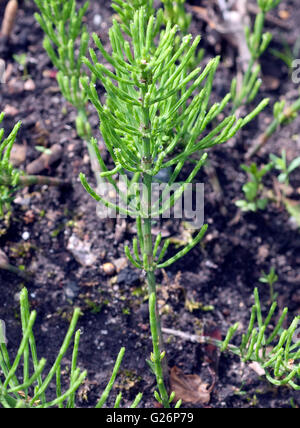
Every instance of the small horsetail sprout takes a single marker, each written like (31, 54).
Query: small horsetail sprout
(21, 59)
(253, 189)
(156, 115)
(127, 8)
(278, 352)
(176, 13)
(257, 42)
(283, 115)
(270, 279)
(33, 389)
(66, 42)
(11, 179)
(280, 163)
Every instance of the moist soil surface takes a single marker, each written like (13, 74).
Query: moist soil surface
(205, 292)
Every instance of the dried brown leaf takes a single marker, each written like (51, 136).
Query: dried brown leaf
(189, 388)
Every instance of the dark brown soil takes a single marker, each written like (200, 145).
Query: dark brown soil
(222, 272)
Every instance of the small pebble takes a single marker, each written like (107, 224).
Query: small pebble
(108, 268)
(81, 251)
(25, 236)
(97, 20)
(29, 85)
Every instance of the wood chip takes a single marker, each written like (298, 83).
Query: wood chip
(18, 154)
(9, 18)
(45, 160)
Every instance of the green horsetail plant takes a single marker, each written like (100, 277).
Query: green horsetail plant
(280, 163)
(283, 115)
(175, 12)
(270, 278)
(127, 8)
(32, 390)
(64, 30)
(66, 42)
(153, 105)
(257, 42)
(275, 349)
(289, 54)
(11, 180)
(9, 177)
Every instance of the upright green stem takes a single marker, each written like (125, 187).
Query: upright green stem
(161, 371)
(160, 364)
(157, 357)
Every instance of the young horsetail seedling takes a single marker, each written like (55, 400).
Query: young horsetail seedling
(271, 278)
(21, 59)
(276, 350)
(171, 10)
(127, 8)
(253, 189)
(257, 42)
(32, 391)
(66, 42)
(153, 105)
(11, 179)
(283, 115)
(64, 29)
(176, 13)
(280, 163)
